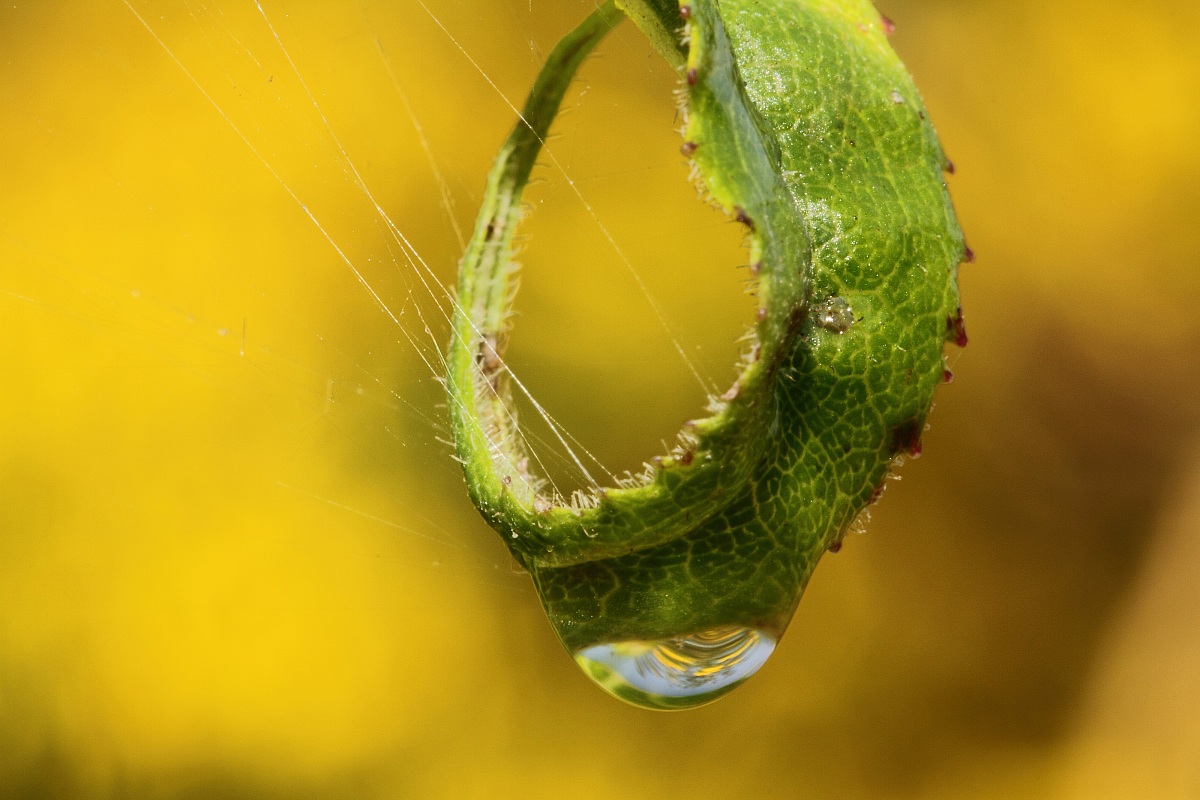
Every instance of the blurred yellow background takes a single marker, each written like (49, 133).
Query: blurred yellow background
(236, 559)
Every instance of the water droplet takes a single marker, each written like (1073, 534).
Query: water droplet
(835, 314)
(677, 673)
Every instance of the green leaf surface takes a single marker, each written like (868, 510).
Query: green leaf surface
(803, 125)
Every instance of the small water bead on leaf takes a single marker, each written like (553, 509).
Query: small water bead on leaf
(835, 314)
(677, 673)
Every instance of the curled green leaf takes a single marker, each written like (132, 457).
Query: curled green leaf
(804, 126)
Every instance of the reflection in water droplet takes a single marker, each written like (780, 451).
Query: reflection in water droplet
(835, 314)
(677, 673)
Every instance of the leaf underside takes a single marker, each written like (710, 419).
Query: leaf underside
(804, 125)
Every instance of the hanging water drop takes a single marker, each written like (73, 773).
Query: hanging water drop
(677, 673)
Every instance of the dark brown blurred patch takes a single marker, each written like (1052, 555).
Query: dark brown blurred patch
(1058, 478)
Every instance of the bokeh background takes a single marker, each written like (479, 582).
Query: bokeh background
(237, 561)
